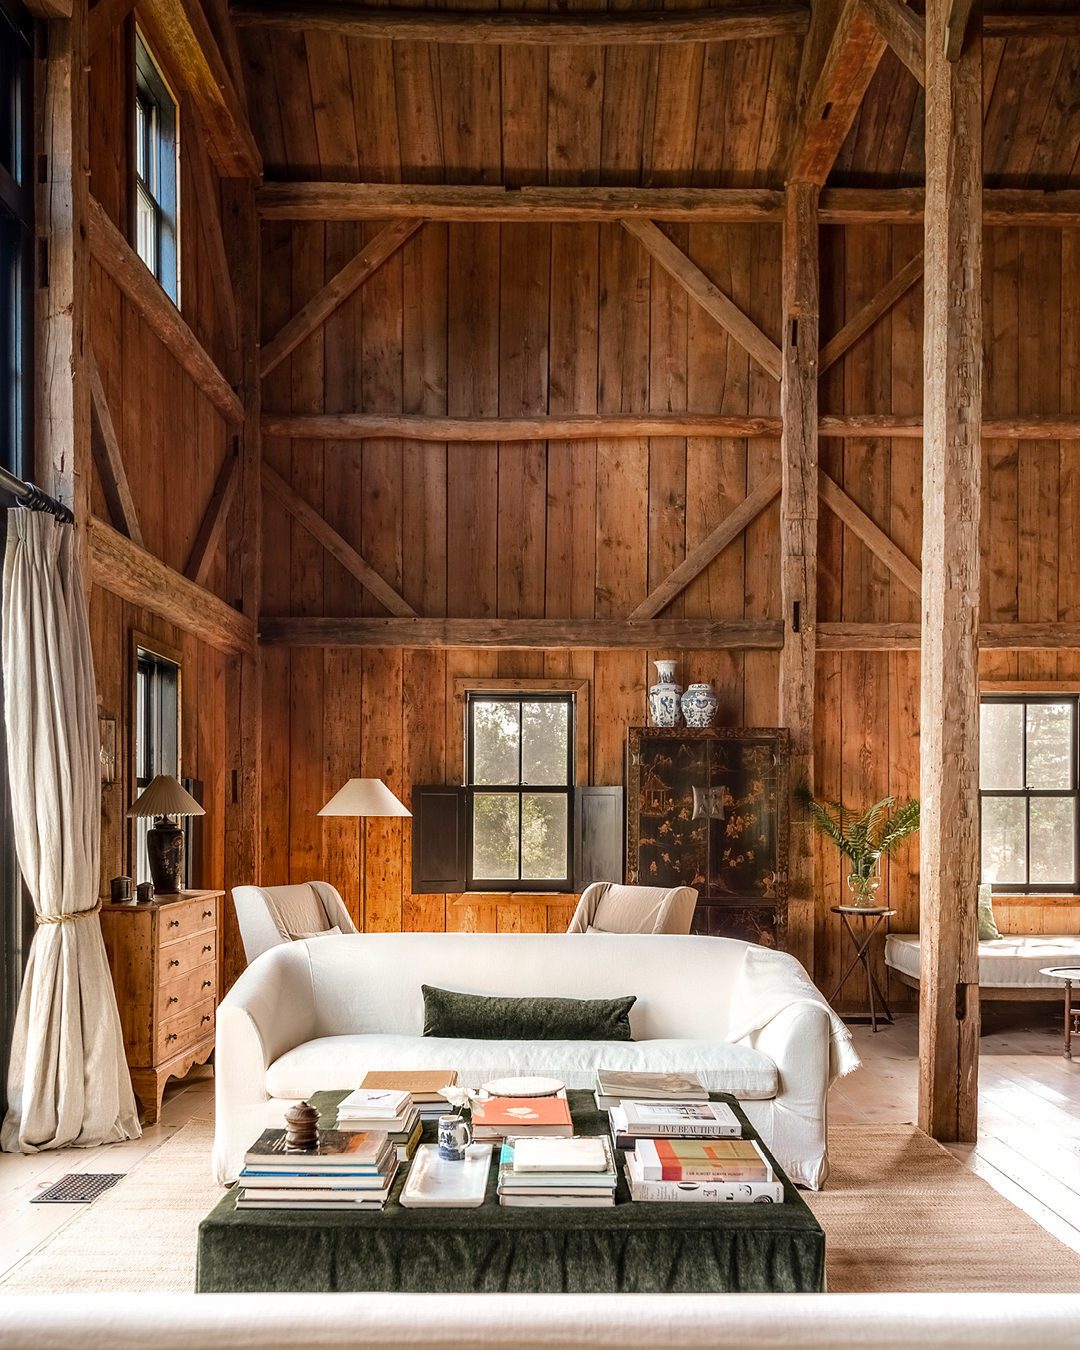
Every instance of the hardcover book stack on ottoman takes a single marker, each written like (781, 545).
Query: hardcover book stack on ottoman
(349, 1171)
(567, 1173)
(393, 1112)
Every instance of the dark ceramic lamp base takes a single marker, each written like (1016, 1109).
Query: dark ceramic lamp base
(165, 854)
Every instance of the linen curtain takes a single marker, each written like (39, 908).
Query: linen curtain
(68, 1082)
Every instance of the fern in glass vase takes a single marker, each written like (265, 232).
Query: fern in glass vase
(864, 839)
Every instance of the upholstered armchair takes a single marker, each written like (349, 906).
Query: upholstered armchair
(271, 915)
(607, 907)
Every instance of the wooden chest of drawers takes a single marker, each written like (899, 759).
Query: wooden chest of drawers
(164, 961)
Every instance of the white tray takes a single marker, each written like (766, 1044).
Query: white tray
(435, 1183)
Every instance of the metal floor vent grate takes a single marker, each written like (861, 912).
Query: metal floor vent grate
(77, 1188)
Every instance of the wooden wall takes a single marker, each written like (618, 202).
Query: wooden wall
(485, 320)
(173, 442)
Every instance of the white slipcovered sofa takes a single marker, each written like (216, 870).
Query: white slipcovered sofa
(319, 1014)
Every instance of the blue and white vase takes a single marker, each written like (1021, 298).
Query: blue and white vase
(699, 705)
(664, 696)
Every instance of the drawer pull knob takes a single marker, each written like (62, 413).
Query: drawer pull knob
(206, 1017)
(208, 948)
(173, 998)
(174, 923)
(170, 1037)
(207, 983)
(173, 962)
(208, 913)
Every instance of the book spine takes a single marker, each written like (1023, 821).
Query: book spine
(687, 1130)
(730, 1172)
(735, 1193)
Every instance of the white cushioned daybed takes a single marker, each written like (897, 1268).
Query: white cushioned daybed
(319, 1014)
(1008, 966)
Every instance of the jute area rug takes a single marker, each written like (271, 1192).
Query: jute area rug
(900, 1215)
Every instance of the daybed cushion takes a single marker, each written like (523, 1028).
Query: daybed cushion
(336, 1062)
(1011, 962)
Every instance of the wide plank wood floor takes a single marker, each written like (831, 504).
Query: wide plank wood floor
(1028, 1149)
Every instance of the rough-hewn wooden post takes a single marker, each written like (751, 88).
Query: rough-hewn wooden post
(243, 690)
(798, 542)
(952, 382)
(62, 391)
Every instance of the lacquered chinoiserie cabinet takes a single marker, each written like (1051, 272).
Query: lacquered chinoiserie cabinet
(708, 808)
(164, 961)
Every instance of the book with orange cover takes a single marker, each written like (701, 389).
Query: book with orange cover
(508, 1117)
(702, 1160)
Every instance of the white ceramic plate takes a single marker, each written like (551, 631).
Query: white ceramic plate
(523, 1087)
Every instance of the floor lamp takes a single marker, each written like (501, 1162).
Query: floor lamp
(363, 797)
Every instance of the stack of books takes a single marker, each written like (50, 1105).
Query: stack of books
(734, 1171)
(514, 1117)
(392, 1112)
(578, 1172)
(634, 1120)
(421, 1084)
(349, 1171)
(614, 1086)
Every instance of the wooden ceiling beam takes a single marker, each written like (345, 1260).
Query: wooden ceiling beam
(736, 206)
(595, 29)
(852, 57)
(214, 520)
(109, 460)
(181, 30)
(104, 18)
(339, 548)
(120, 261)
(49, 9)
(956, 27)
(902, 29)
(600, 426)
(524, 634)
(336, 291)
(875, 309)
(707, 294)
(695, 562)
(906, 637)
(1024, 23)
(120, 566)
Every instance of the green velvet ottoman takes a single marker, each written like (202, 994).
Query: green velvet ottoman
(635, 1247)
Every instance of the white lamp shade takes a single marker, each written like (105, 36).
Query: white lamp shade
(364, 797)
(163, 796)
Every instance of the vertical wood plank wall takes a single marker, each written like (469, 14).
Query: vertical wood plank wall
(485, 320)
(173, 442)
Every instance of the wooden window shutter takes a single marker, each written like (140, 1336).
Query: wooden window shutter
(598, 835)
(439, 834)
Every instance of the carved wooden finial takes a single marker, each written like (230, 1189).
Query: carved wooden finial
(301, 1128)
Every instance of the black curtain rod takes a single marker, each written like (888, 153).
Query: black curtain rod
(32, 497)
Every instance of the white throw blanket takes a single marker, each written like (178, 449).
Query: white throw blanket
(778, 981)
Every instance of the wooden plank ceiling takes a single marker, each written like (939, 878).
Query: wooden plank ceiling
(717, 114)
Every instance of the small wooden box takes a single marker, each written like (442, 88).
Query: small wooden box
(164, 961)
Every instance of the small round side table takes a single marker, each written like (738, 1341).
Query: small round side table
(861, 943)
(1072, 1015)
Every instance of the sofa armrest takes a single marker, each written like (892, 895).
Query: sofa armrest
(269, 1010)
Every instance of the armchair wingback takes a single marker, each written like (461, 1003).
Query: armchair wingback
(271, 915)
(607, 907)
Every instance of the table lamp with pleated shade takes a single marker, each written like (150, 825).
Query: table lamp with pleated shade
(164, 799)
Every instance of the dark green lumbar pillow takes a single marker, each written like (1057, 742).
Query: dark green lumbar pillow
(493, 1017)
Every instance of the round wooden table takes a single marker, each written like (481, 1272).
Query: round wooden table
(1072, 1015)
(861, 943)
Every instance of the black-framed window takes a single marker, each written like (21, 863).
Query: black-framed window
(16, 237)
(520, 781)
(157, 194)
(1029, 792)
(157, 734)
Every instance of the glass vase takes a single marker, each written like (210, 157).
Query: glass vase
(864, 889)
